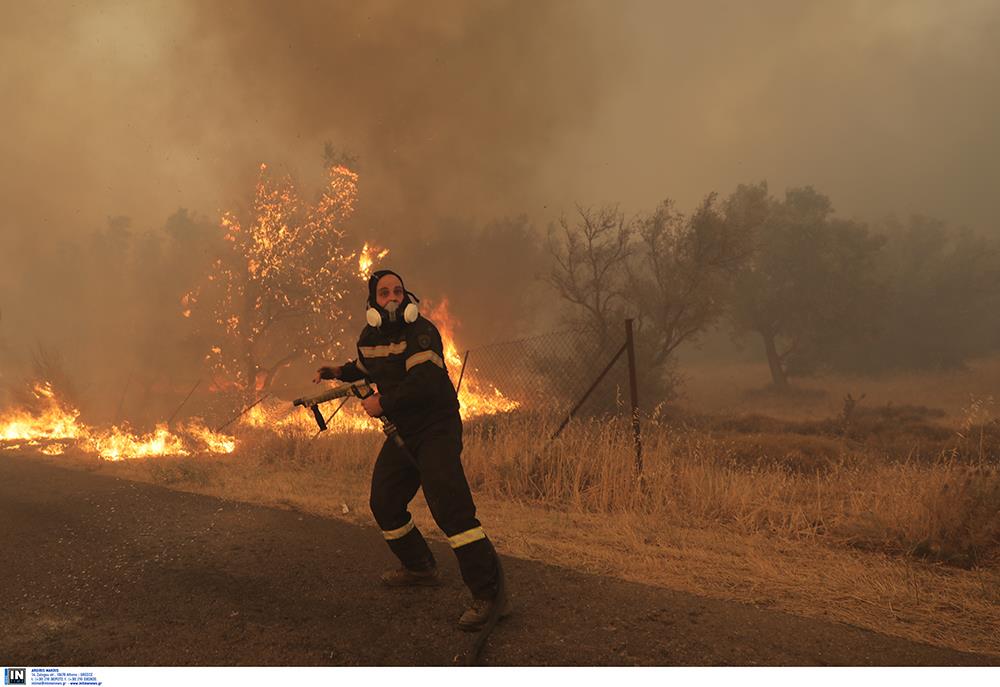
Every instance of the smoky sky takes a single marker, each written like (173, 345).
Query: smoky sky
(139, 108)
(463, 113)
(490, 108)
(887, 107)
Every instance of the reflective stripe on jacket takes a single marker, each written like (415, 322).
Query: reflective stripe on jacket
(407, 364)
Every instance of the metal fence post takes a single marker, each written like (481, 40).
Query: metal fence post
(461, 374)
(587, 393)
(633, 388)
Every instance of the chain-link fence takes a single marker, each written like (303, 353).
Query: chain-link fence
(548, 375)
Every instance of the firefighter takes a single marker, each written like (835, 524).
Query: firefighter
(401, 352)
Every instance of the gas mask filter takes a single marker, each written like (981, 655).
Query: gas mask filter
(377, 316)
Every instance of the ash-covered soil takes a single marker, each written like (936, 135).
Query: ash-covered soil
(101, 571)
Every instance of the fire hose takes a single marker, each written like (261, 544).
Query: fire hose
(363, 390)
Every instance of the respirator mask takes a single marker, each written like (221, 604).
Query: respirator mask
(376, 315)
(394, 313)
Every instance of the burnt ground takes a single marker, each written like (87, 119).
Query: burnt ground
(101, 571)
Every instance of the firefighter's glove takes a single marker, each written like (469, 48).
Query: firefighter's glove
(327, 373)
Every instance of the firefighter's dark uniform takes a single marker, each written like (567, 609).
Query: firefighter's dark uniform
(406, 362)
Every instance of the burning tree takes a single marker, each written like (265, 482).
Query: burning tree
(272, 297)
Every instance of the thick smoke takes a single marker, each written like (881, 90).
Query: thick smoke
(449, 106)
(135, 110)
(885, 106)
(460, 114)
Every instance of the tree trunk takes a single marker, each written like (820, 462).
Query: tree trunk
(778, 376)
(250, 371)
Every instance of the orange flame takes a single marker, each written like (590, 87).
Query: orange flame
(278, 415)
(119, 444)
(55, 421)
(473, 397)
(268, 294)
(55, 425)
(366, 259)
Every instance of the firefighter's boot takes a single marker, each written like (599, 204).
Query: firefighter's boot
(477, 615)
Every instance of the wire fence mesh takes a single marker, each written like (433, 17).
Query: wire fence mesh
(547, 376)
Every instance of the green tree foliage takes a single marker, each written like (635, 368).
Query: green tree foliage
(941, 290)
(809, 286)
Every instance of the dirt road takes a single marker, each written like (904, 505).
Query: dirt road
(99, 571)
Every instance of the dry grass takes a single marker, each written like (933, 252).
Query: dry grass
(884, 514)
(798, 487)
(820, 518)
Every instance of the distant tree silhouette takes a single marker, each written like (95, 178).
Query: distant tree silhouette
(808, 285)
